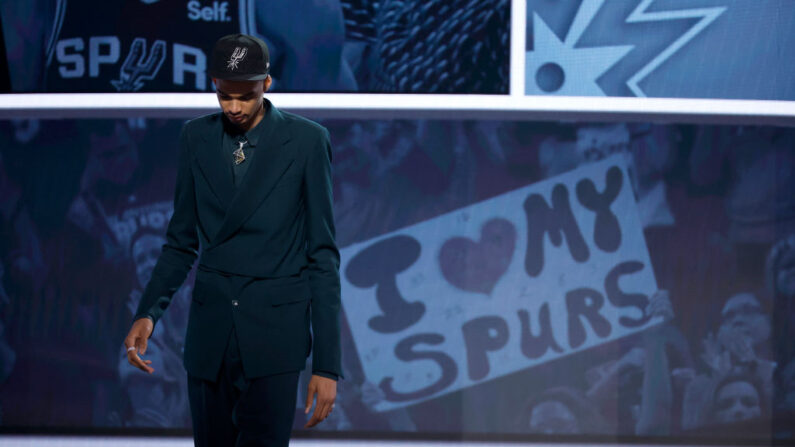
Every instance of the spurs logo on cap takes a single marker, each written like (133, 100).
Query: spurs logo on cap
(237, 56)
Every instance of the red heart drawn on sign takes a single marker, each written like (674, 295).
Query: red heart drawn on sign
(477, 266)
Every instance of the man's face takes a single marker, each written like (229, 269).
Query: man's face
(116, 154)
(241, 100)
(737, 401)
(596, 143)
(743, 313)
(553, 418)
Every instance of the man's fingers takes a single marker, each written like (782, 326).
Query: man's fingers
(327, 410)
(326, 407)
(136, 361)
(130, 341)
(310, 396)
(314, 420)
(322, 411)
(136, 343)
(322, 392)
(317, 416)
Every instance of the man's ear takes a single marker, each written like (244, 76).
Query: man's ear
(266, 83)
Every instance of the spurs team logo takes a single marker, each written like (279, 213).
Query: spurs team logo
(237, 56)
(138, 68)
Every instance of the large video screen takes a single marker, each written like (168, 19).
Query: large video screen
(415, 46)
(720, 49)
(500, 278)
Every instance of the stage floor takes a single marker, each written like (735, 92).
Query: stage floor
(99, 441)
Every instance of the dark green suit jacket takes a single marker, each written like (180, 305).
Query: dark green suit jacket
(269, 263)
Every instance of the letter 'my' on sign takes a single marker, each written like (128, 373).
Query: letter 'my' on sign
(502, 285)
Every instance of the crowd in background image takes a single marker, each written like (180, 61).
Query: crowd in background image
(83, 222)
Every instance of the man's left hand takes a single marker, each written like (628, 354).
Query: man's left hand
(326, 390)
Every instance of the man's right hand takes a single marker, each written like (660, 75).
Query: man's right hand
(136, 341)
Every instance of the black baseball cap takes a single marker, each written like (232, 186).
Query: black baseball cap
(239, 57)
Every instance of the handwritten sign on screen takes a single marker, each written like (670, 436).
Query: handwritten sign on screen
(514, 281)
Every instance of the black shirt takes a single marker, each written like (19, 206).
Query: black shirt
(233, 136)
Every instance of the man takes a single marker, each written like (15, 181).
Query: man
(254, 191)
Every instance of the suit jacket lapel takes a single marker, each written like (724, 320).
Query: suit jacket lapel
(216, 169)
(267, 167)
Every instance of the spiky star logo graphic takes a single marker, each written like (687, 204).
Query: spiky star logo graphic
(140, 65)
(237, 56)
(559, 67)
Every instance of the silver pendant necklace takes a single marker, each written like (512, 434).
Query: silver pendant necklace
(240, 156)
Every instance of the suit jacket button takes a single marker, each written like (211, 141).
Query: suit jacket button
(235, 303)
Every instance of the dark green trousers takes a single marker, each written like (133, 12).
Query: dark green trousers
(240, 412)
